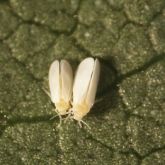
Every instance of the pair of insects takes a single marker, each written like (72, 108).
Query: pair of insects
(77, 97)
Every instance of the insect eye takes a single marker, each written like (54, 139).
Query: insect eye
(71, 112)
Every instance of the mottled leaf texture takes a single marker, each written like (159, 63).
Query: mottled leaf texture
(128, 119)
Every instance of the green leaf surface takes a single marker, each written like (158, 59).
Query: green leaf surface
(128, 119)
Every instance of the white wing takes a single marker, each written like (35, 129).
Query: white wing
(67, 80)
(82, 80)
(54, 81)
(90, 98)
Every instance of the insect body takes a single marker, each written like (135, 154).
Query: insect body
(84, 88)
(60, 84)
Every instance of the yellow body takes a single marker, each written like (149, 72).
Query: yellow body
(80, 110)
(62, 107)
